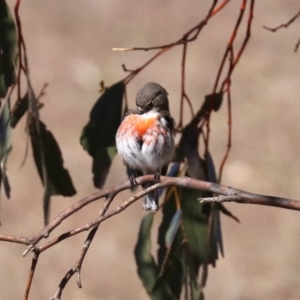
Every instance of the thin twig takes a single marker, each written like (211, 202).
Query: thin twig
(189, 36)
(14, 239)
(180, 123)
(285, 25)
(184, 182)
(231, 194)
(297, 46)
(30, 276)
(220, 199)
(78, 264)
(228, 92)
(186, 37)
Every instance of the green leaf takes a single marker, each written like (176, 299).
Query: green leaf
(18, 111)
(5, 146)
(194, 223)
(216, 239)
(170, 241)
(172, 230)
(58, 175)
(147, 268)
(8, 48)
(98, 136)
(193, 289)
(3, 88)
(169, 245)
(49, 162)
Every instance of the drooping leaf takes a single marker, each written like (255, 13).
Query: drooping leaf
(215, 239)
(19, 109)
(98, 136)
(213, 101)
(211, 171)
(57, 174)
(49, 162)
(5, 146)
(226, 212)
(195, 224)
(3, 88)
(212, 177)
(147, 268)
(172, 230)
(170, 268)
(195, 245)
(193, 290)
(102, 161)
(180, 255)
(8, 48)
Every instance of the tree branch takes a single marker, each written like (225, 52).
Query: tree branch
(231, 194)
(189, 36)
(183, 182)
(30, 275)
(284, 25)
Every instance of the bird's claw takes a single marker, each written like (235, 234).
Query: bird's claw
(132, 179)
(157, 177)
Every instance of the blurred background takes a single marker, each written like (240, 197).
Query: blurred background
(69, 45)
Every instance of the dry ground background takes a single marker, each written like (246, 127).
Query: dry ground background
(69, 45)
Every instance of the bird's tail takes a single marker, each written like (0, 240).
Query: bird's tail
(151, 199)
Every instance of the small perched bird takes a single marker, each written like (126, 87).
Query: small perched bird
(145, 138)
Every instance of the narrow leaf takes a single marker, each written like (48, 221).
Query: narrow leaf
(216, 238)
(195, 224)
(58, 176)
(18, 111)
(8, 48)
(5, 146)
(226, 212)
(169, 245)
(49, 162)
(172, 230)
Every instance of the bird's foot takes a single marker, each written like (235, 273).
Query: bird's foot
(132, 179)
(157, 177)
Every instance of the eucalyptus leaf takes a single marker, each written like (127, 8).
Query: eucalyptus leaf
(5, 146)
(8, 48)
(147, 269)
(48, 159)
(57, 174)
(18, 111)
(98, 136)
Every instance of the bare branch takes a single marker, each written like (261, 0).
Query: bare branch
(14, 239)
(189, 36)
(285, 25)
(30, 276)
(297, 46)
(186, 37)
(220, 199)
(231, 194)
(77, 267)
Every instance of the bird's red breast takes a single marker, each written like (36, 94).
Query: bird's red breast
(138, 123)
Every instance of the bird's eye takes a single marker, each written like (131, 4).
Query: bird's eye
(150, 103)
(141, 110)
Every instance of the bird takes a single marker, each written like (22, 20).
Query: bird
(145, 137)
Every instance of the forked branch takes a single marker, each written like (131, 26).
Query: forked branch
(230, 193)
